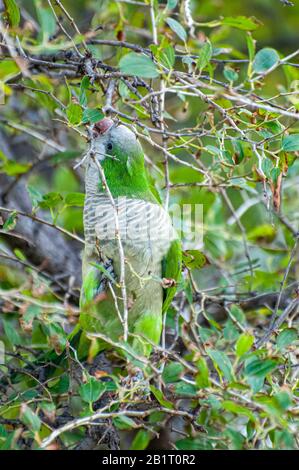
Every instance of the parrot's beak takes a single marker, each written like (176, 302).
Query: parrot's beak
(101, 127)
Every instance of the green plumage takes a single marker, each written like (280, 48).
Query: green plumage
(151, 247)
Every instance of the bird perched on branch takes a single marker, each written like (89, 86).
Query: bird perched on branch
(132, 256)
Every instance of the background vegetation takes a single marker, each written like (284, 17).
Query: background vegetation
(211, 87)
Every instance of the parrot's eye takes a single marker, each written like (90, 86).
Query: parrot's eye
(109, 146)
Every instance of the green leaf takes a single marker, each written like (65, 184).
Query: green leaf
(171, 4)
(284, 439)
(10, 331)
(74, 113)
(49, 409)
(12, 12)
(177, 28)
(283, 400)
(141, 440)
(47, 22)
(262, 233)
(267, 167)
(83, 87)
(256, 383)
(274, 126)
(290, 143)
(160, 398)
(194, 444)
(10, 222)
(244, 343)
(241, 22)
(237, 439)
(92, 116)
(29, 418)
(205, 55)
(232, 406)
(32, 312)
(124, 423)
(9, 442)
(182, 388)
(123, 90)
(221, 363)
(251, 46)
(230, 331)
(265, 59)
(19, 254)
(62, 386)
(56, 336)
(260, 367)
(251, 52)
(8, 68)
(237, 313)
(230, 74)
(194, 259)
(286, 337)
(13, 168)
(167, 57)
(3, 432)
(75, 199)
(50, 200)
(172, 372)
(202, 378)
(34, 195)
(92, 390)
(138, 65)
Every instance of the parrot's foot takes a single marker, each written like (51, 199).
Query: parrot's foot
(168, 282)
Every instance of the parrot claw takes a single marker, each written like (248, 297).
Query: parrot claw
(168, 282)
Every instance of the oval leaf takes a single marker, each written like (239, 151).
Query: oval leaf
(92, 116)
(92, 390)
(139, 65)
(290, 143)
(205, 55)
(244, 343)
(177, 28)
(260, 367)
(221, 363)
(74, 113)
(265, 59)
(286, 337)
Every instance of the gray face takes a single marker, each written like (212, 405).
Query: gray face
(118, 141)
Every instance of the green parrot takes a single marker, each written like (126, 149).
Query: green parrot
(151, 247)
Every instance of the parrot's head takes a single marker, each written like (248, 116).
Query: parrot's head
(120, 154)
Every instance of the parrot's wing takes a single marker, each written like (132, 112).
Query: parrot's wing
(171, 269)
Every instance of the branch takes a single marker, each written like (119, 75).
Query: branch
(87, 420)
